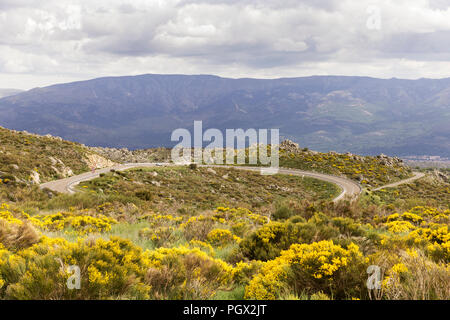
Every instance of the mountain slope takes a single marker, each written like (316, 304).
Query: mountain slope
(31, 159)
(356, 114)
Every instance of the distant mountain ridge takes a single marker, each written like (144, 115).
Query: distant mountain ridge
(357, 114)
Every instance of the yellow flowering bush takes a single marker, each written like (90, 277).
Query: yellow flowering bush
(399, 226)
(436, 240)
(109, 269)
(9, 217)
(243, 272)
(158, 220)
(239, 214)
(222, 237)
(320, 266)
(414, 276)
(419, 216)
(186, 273)
(399, 268)
(204, 246)
(81, 224)
(159, 236)
(198, 227)
(431, 214)
(422, 227)
(268, 241)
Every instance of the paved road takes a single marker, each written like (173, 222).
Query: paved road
(417, 175)
(349, 188)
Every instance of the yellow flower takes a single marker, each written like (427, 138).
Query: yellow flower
(399, 268)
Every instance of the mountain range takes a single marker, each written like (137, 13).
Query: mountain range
(356, 114)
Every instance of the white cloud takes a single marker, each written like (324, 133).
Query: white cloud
(68, 39)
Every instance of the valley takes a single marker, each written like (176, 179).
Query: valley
(361, 115)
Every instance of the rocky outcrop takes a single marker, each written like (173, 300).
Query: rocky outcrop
(60, 168)
(289, 146)
(95, 161)
(441, 176)
(35, 177)
(124, 155)
(390, 161)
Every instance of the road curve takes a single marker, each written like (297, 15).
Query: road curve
(417, 175)
(349, 188)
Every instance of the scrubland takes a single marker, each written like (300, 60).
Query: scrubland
(198, 233)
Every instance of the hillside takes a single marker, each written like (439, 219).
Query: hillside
(187, 232)
(369, 171)
(356, 114)
(181, 189)
(28, 159)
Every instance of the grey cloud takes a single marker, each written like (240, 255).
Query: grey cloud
(439, 4)
(420, 46)
(206, 35)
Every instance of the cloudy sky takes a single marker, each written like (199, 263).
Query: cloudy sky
(49, 41)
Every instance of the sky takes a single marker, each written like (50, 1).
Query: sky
(43, 42)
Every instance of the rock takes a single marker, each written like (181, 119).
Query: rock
(388, 161)
(67, 172)
(35, 178)
(15, 166)
(156, 183)
(441, 176)
(98, 162)
(64, 171)
(225, 176)
(289, 146)
(53, 160)
(211, 170)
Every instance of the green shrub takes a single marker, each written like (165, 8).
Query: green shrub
(283, 212)
(144, 195)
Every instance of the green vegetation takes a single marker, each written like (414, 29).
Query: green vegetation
(428, 191)
(189, 232)
(369, 171)
(27, 159)
(183, 189)
(22, 154)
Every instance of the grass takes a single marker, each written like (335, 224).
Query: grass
(169, 206)
(180, 189)
(23, 156)
(234, 294)
(422, 192)
(369, 171)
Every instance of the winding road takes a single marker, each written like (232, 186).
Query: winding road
(349, 188)
(417, 175)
